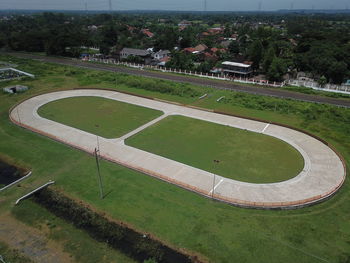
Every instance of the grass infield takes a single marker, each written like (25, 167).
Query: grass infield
(104, 117)
(244, 156)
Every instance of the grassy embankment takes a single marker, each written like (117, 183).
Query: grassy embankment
(220, 232)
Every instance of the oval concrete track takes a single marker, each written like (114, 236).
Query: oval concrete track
(321, 177)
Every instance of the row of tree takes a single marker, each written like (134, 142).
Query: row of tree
(319, 46)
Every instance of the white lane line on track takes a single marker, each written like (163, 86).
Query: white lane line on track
(267, 125)
(216, 186)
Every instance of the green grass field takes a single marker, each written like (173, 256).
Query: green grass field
(216, 231)
(244, 156)
(104, 117)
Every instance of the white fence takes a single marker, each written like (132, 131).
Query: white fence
(189, 72)
(314, 85)
(309, 84)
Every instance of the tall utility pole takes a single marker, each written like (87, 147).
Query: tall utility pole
(110, 5)
(98, 173)
(259, 7)
(86, 7)
(205, 5)
(291, 5)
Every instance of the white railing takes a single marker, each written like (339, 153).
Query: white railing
(15, 182)
(32, 192)
(314, 85)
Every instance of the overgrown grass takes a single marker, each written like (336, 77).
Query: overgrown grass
(217, 231)
(12, 255)
(243, 155)
(104, 117)
(76, 242)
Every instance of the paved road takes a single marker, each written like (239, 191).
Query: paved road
(321, 177)
(197, 81)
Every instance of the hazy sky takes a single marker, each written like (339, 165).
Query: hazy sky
(190, 5)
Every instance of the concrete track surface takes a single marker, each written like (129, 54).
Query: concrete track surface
(322, 176)
(224, 85)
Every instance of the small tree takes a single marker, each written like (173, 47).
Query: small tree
(322, 81)
(277, 69)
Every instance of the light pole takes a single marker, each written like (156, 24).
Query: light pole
(97, 153)
(214, 177)
(98, 173)
(98, 141)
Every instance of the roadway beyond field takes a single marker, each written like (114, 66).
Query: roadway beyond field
(196, 81)
(322, 176)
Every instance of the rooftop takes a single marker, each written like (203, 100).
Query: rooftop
(235, 64)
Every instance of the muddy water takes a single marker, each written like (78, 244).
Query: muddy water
(8, 174)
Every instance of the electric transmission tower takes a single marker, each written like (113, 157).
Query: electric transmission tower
(205, 5)
(110, 5)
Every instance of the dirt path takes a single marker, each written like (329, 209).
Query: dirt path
(31, 242)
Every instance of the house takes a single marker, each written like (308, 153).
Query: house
(161, 54)
(147, 33)
(131, 29)
(145, 55)
(163, 61)
(235, 68)
(214, 50)
(190, 50)
(184, 23)
(201, 48)
(215, 30)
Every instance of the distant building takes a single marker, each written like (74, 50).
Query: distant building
(184, 23)
(163, 61)
(145, 55)
(161, 54)
(235, 68)
(201, 48)
(147, 33)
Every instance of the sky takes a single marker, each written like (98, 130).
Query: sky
(181, 5)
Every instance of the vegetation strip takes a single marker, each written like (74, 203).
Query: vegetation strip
(209, 83)
(140, 246)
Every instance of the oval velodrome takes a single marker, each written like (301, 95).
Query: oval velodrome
(322, 176)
